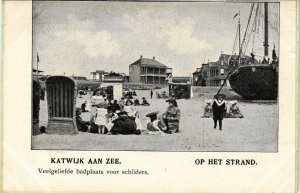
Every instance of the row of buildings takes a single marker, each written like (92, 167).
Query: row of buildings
(212, 73)
(151, 71)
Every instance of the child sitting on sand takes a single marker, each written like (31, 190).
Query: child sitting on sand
(208, 109)
(145, 102)
(234, 111)
(136, 102)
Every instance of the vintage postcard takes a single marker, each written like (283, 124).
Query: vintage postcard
(150, 96)
(155, 76)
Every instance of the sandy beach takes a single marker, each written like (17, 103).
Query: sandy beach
(256, 132)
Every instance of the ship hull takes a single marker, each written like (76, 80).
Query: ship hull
(255, 82)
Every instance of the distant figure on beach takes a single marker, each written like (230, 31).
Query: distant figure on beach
(151, 93)
(124, 125)
(219, 108)
(208, 109)
(170, 119)
(234, 111)
(145, 102)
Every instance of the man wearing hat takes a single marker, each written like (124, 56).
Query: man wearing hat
(170, 119)
(219, 108)
(155, 126)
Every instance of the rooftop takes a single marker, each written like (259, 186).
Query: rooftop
(108, 78)
(149, 62)
(180, 79)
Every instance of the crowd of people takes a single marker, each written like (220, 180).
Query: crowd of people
(121, 117)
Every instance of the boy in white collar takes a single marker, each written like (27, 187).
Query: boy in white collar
(219, 108)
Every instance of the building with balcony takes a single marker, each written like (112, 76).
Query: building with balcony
(148, 71)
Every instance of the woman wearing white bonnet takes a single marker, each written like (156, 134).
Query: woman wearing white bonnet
(234, 111)
(208, 109)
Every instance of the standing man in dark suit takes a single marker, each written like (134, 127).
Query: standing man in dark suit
(151, 93)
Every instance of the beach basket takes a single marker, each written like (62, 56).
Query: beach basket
(61, 98)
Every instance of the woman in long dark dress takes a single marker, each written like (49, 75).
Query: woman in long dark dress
(171, 118)
(219, 108)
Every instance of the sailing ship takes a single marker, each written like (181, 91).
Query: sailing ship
(252, 79)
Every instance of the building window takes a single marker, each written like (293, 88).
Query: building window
(222, 71)
(222, 63)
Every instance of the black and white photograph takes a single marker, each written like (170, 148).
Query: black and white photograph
(155, 76)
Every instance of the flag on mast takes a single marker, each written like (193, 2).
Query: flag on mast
(37, 56)
(235, 15)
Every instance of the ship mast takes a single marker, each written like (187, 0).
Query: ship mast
(239, 27)
(266, 43)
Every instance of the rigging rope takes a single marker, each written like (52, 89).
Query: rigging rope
(235, 40)
(251, 10)
(253, 29)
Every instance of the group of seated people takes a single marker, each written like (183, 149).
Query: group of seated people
(144, 102)
(122, 117)
(234, 111)
(168, 122)
(129, 94)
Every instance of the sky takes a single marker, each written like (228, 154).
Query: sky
(79, 37)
